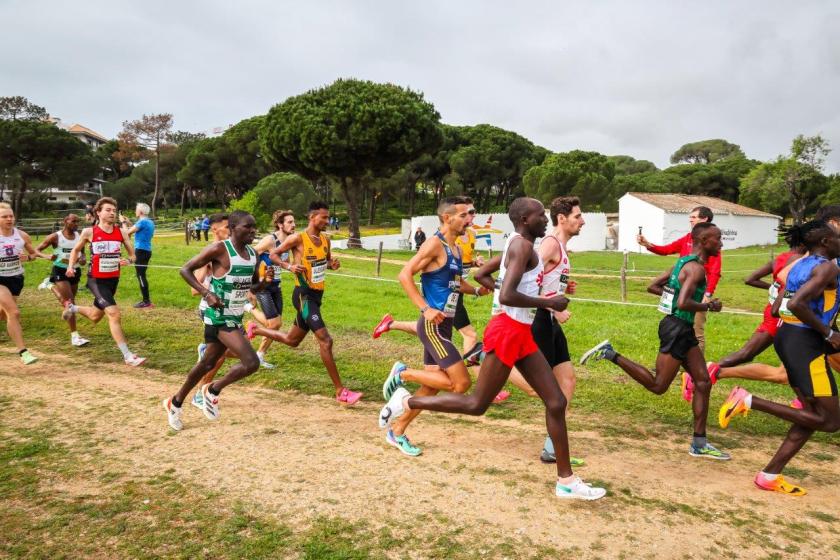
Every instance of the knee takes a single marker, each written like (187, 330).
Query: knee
(251, 363)
(461, 386)
(703, 387)
(273, 323)
(325, 341)
(557, 407)
(659, 389)
(12, 314)
(113, 313)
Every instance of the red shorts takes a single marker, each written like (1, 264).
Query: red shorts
(770, 324)
(510, 340)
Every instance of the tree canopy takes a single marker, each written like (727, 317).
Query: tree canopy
(706, 151)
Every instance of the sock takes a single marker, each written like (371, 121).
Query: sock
(74, 308)
(176, 403)
(211, 391)
(748, 400)
(699, 440)
(612, 357)
(22, 351)
(768, 476)
(74, 334)
(124, 349)
(566, 481)
(548, 446)
(261, 356)
(405, 403)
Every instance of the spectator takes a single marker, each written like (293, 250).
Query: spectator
(196, 229)
(144, 228)
(419, 238)
(205, 225)
(612, 236)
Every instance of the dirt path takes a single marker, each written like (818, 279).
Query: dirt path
(299, 456)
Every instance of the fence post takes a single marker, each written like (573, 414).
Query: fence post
(624, 278)
(379, 259)
(187, 231)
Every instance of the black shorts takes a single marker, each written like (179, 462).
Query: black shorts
(271, 301)
(13, 283)
(550, 339)
(58, 274)
(438, 349)
(461, 319)
(211, 332)
(104, 291)
(307, 302)
(805, 356)
(676, 337)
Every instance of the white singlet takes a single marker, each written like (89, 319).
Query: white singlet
(11, 247)
(529, 285)
(556, 279)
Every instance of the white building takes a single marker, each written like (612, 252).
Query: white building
(89, 191)
(663, 218)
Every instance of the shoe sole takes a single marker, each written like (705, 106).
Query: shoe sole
(701, 456)
(85, 343)
(198, 406)
(140, 363)
(591, 352)
(377, 332)
(397, 445)
(579, 497)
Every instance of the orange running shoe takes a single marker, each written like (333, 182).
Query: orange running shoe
(687, 387)
(734, 405)
(779, 485)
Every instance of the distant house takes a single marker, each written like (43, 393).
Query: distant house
(664, 218)
(89, 191)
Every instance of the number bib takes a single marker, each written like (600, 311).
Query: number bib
(319, 272)
(109, 262)
(236, 305)
(773, 292)
(666, 301)
(451, 304)
(563, 285)
(783, 308)
(10, 266)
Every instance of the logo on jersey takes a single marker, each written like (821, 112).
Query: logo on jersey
(9, 250)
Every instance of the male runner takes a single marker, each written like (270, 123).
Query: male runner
(15, 247)
(312, 257)
(64, 287)
(508, 341)
(683, 247)
(106, 241)
(681, 292)
(235, 272)
(271, 299)
(439, 263)
(806, 337)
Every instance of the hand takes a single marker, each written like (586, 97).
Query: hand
(558, 303)
(434, 316)
(571, 287)
(640, 239)
(297, 269)
(715, 305)
(269, 274)
(562, 316)
(479, 261)
(213, 300)
(70, 273)
(124, 262)
(334, 264)
(25, 257)
(834, 339)
(483, 291)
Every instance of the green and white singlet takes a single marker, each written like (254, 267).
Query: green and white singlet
(232, 289)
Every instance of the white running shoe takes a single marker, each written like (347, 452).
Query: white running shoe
(578, 490)
(68, 311)
(248, 307)
(201, 349)
(211, 403)
(173, 414)
(198, 401)
(78, 341)
(394, 408)
(135, 361)
(45, 284)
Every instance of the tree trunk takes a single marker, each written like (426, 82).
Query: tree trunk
(412, 196)
(351, 190)
(183, 199)
(157, 181)
(17, 198)
(372, 209)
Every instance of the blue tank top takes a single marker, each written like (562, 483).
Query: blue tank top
(440, 287)
(824, 307)
(264, 258)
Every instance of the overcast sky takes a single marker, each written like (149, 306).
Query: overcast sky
(636, 78)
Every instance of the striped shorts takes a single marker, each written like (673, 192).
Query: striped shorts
(437, 343)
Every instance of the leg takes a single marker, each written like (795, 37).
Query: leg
(248, 361)
(293, 338)
(8, 303)
(140, 268)
(518, 381)
(94, 314)
(700, 330)
(656, 382)
(113, 313)
(325, 346)
(820, 413)
(758, 343)
(755, 371)
(214, 351)
(64, 292)
(408, 327)
(400, 425)
(454, 378)
(273, 324)
(695, 365)
(565, 375)
(469, 335)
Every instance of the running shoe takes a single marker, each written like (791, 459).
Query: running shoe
(394, 380)
(211, 403)
(68, 310)
(708, 451)
(733, 406)
(383, 326)
(394, 408)
(144, 305)
(78, 341)
(201, 349)
(548, 457)
(134, 360)
(402, 443)
(778, 485)
(714, 370)
(797, 404)
(687, 387)
(248, 307)
(45, 284)
(501, 397)
(265, 364)
(601, 351)
(173, 414)
(473, 355)
(197, 401)
(578, 490)
(348, 397)
(28, 358)
(250, 328)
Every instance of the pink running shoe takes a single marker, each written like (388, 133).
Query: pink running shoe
(714, 370)
(501, 397)
(687, 387)
(383, 326)
(249, 330)
(348, 397)
(797, 404)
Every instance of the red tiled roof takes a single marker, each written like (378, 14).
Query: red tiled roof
(685, 203)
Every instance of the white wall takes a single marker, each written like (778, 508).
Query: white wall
(592, 237)
(633, 214)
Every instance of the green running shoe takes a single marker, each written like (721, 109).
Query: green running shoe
(27, 358)
(708, 451)
(393, 381)
(548, 457)
(402, 443)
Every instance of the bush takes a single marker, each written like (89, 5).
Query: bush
(280, 191)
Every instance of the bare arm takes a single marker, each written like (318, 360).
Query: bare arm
(84, 238)
(483, 274)
(690, 277)
(518, 256)
(206, 257)
(49, 241)
(291, 243)
(419, 262)
(27, 246)
(755, 278)
(821, 277)
(655, 287)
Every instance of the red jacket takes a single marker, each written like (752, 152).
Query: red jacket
(683, 247)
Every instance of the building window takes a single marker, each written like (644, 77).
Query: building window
(52, 198)
(71, 198)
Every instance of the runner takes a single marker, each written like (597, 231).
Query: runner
(806, 337)
(312, 257)
(271, 299)
(15, 247)
(63, 287)
(508, 341)
(439, 263)
(106, 240)
(681, 292)
(235, 272)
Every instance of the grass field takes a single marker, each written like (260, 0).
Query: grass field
(605, 402)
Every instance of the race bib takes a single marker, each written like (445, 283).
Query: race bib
(451, 304)
(319, 272)
(563, 284)
(773, 292)
(783, 308)
(236, 306)
(278, 270)
(109, 263)
(666, 301)
(10, 266)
